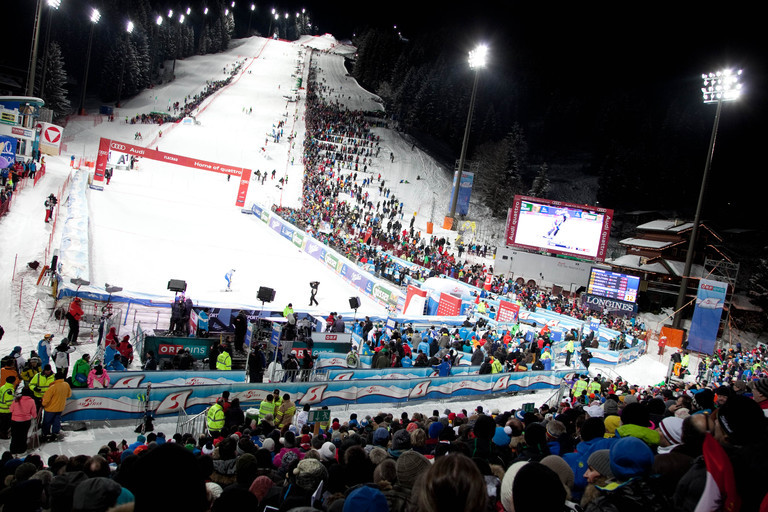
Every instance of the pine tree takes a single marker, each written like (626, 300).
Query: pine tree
(540, 185)
(500, 165)
(53, 91)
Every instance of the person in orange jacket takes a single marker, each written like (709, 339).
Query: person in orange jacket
(54, 400)
(74, 315)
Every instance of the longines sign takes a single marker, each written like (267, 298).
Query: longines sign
(607, 305)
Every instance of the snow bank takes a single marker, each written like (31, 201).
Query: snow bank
(74, 260)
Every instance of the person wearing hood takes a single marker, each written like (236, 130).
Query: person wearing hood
(636, 422)
(54, 401)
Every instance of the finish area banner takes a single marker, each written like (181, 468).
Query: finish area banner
(107, 145)
(710, 300)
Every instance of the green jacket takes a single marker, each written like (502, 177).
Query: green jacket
(224, 361)
(80, 373)
(266, 408)
(645, 434)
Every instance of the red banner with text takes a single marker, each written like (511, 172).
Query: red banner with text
(448, 305)
(106, 145)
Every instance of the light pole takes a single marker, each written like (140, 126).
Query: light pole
(178, 44)
(95, 17)
(718, 87)
(128, 29)
(477, 59)
(54, 5)
(274, 15)
(253, 8)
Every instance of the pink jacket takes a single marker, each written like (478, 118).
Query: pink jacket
(23, 409)
(98, 381)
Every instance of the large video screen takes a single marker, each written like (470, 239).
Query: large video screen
(613, 285)
(559, 228)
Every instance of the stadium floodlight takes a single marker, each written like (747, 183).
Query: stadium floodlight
(189, 11)
(205, 11)
(170, 13)
(159, 20)
(54, 3)
(181, 18)
(95, 17)
(477, 60)
(719, 87)
(129, 27)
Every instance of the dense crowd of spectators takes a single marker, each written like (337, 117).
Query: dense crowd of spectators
(620, 448)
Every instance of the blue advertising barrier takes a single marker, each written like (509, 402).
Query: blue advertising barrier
(129, 402)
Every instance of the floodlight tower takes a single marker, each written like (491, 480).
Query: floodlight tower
(477, 59)
(718, 87)
(95, 17)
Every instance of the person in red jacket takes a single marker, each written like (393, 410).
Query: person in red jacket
(74, 315)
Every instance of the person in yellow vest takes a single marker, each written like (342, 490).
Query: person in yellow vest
(215, 418)
(579, 386)
(40, 383)
(285, 412)
(223, 361)
(481, 308)
(496, 365)
(595, 387)
(267, 406)
(7, 395)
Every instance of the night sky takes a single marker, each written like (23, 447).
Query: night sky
(580, 48)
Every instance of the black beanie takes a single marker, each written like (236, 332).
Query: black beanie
(742, 420)
(484, 427)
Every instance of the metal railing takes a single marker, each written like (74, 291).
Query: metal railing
(195, 425)
(313, 375)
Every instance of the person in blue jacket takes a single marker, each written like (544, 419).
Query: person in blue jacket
(591, 434)
(443, 369)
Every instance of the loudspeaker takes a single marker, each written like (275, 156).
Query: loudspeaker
(265, 294)
(177, 285)
(354, 302)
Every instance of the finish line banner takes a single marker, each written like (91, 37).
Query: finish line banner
(706, 317)
(106, 146)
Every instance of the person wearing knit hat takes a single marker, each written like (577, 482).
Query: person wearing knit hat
(592, 434)
(562, 470)
(635, 419)
(381, 437)
(95, 494)
(630, 457)
(599, 464)
(214, 490)
(401, 442)
(434, 429)
(378, 455)
(365, 499)
(503, 436)
(671, 430)
(597, 475)
(260, 487)
(610, 407)
(309, 473)
(328, 451)
(505, 494)
(409, 466)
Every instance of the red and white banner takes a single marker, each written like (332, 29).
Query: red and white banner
(508, 311)
(50, 138)
(106, 145)
(448, 305)
(488, 282)
(415, 300)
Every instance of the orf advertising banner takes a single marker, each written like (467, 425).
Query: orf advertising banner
(152, 154)
(508, 311)
(50, 138)
(448, 305)
(706, 316)
(465, 191)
